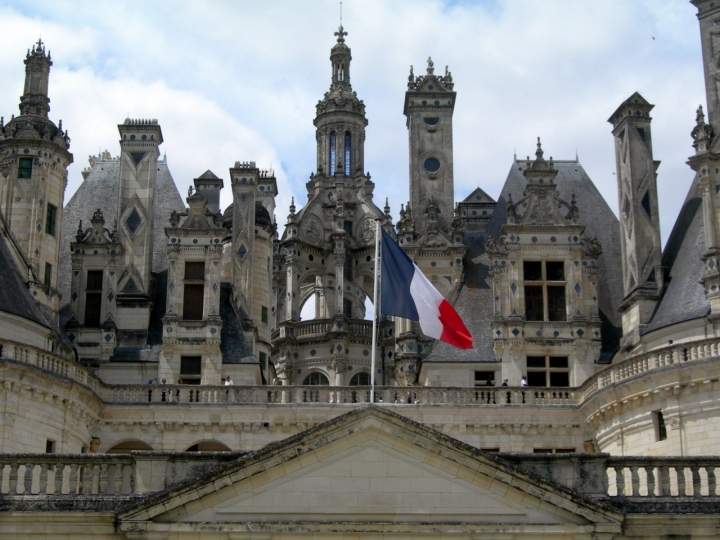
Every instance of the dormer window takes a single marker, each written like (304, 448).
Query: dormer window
(544, 290)
(194, 291)
(93, 298)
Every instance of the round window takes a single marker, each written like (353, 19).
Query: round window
(432, 165)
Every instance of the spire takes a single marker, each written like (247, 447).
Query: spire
(37, 74)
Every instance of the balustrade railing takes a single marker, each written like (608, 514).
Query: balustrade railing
(69, 475)
(669, 355)
(657, 358)
(663, 476)
(48, 361)
(162, 394)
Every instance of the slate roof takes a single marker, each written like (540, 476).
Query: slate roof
(683, 297)
(100, 190)
(15, 298)
(475, 301)
(233, 345)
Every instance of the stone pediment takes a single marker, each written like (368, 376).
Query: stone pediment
(365, 469)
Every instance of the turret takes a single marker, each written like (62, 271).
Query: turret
(33, 177)
(340, 119)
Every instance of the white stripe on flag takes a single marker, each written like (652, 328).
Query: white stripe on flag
(427, 302)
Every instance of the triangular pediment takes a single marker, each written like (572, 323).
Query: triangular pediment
(368, 467)
(478, 196)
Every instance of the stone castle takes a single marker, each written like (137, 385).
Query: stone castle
(158, 381)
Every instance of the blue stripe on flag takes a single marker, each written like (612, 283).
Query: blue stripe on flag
(397, 274)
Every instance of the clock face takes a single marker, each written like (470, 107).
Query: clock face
(432, 165)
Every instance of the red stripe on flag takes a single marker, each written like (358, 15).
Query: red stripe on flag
(454, 331)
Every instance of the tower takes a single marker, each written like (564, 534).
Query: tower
(139, 141)
(34, 158)
(639, 217)
(326, 253)
(430, 229)
(429, 105)
(708, 13)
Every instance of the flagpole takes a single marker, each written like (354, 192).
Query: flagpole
(376, 311)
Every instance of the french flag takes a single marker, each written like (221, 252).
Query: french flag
(406, 292)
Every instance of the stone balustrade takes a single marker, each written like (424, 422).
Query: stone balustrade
(644, 363)
(663, 476)
(167, 394)
(69, 475)
(651, 360)
(48, 361)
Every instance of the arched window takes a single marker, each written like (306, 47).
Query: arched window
(347, 159)
(360, 379)
(333, 154)
(316, 379)
(209, 446)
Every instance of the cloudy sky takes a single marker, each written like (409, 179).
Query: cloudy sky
(238, 80)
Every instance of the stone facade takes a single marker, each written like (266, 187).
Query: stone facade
(608, 345)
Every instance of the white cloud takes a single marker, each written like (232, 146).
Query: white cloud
(239, 81)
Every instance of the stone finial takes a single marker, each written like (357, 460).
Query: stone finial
(190, 191)
(511, 210)
(340, 34)
(387, 207)
(574, 212)
(430, 66)
(80, 234)
(411, 77)
(98, 217)
(701, 133)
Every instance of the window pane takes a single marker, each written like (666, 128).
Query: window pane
(558, 361)
(316, 379)
(50, 219)
(94, 280)
(347, 308)
(559, 378)
(333, 155)
(481, 377)
(534, 304)
(360, 379)
(347, 159)
(532, 270)
(194, 270)
(542, 450)
(555, 271)
(190, 365)
(536, 378)
(264, 314)
(556, 303)
(347, 268)
(25, 168)
(536, 361)
(48, 277)
(93, 302)
(193, 303)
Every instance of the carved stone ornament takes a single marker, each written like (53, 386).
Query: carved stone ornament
(311, 230)
(366, 231)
